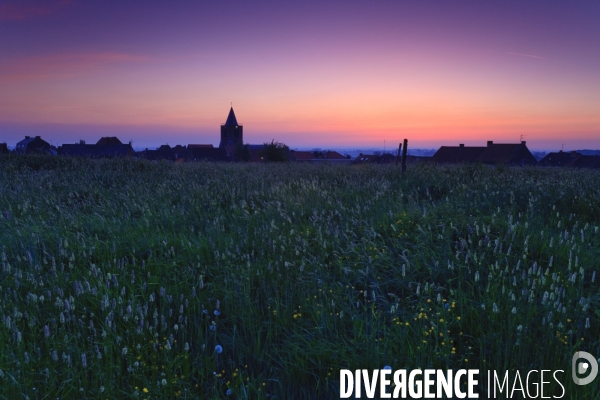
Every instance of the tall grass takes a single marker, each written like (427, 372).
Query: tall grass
(130, 279)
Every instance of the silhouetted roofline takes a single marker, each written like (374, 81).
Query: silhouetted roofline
(231, 120)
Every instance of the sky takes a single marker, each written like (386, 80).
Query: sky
(324, 73)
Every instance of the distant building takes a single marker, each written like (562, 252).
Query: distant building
(256, 152)
(333, 155)
(106, 147)
(587, 162)
(493, 153)
(33, 144)
(232, 135)
(386, 158)
(301, 156)
(205, 153)
(164, 152)
(365, 159)
(570, 159)
(460, 154)
(109, 141)
(3, 148)
(560, 159)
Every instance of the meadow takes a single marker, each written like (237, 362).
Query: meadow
(130, 279)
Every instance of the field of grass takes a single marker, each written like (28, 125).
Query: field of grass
(128, 279)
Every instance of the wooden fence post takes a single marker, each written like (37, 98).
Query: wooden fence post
(404, 155)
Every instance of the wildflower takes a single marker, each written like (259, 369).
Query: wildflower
(46, 331)
(145, 390)
(229, 392)
(124, 351)
(164, 382)
(387, 367)
(218, 349)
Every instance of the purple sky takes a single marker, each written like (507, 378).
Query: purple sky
(309, 74)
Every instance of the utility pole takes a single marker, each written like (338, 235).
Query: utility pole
(399, 151)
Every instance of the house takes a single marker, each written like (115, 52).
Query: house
(301, 156)
(109, 141)
(201, 153)
(3, 148)
(33, 144)
(493, 153)
(106, 147)
(164, 152)
(179, 152)
(560, 159)
(333, 155)
(256, 152)
(365, 159)
(387, 158)
(78, 150)
(570, 159)
(112, 147)
(457, 154)
(587, 162)
(507, 153)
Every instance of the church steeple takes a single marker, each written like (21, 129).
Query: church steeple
(232, 135)
(231, 120)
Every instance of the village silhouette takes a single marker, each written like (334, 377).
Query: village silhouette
(233, 149)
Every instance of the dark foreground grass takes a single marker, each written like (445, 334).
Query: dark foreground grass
(128, 279)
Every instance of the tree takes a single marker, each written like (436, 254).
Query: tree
(275, 152)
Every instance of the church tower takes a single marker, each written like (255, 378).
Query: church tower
(231, 135)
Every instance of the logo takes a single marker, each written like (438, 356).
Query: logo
(579, 369)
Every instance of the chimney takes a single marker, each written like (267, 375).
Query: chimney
(461, 145)
(523, 142)
(26, 137)
(490, 143)
(37, 137)
(82, 142)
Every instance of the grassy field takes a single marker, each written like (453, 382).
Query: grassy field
(127, 279)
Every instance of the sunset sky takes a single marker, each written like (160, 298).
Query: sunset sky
(307, 73)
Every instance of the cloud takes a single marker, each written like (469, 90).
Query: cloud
(22, 10)
(61, 65)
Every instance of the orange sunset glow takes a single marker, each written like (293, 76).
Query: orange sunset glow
(378, 71)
